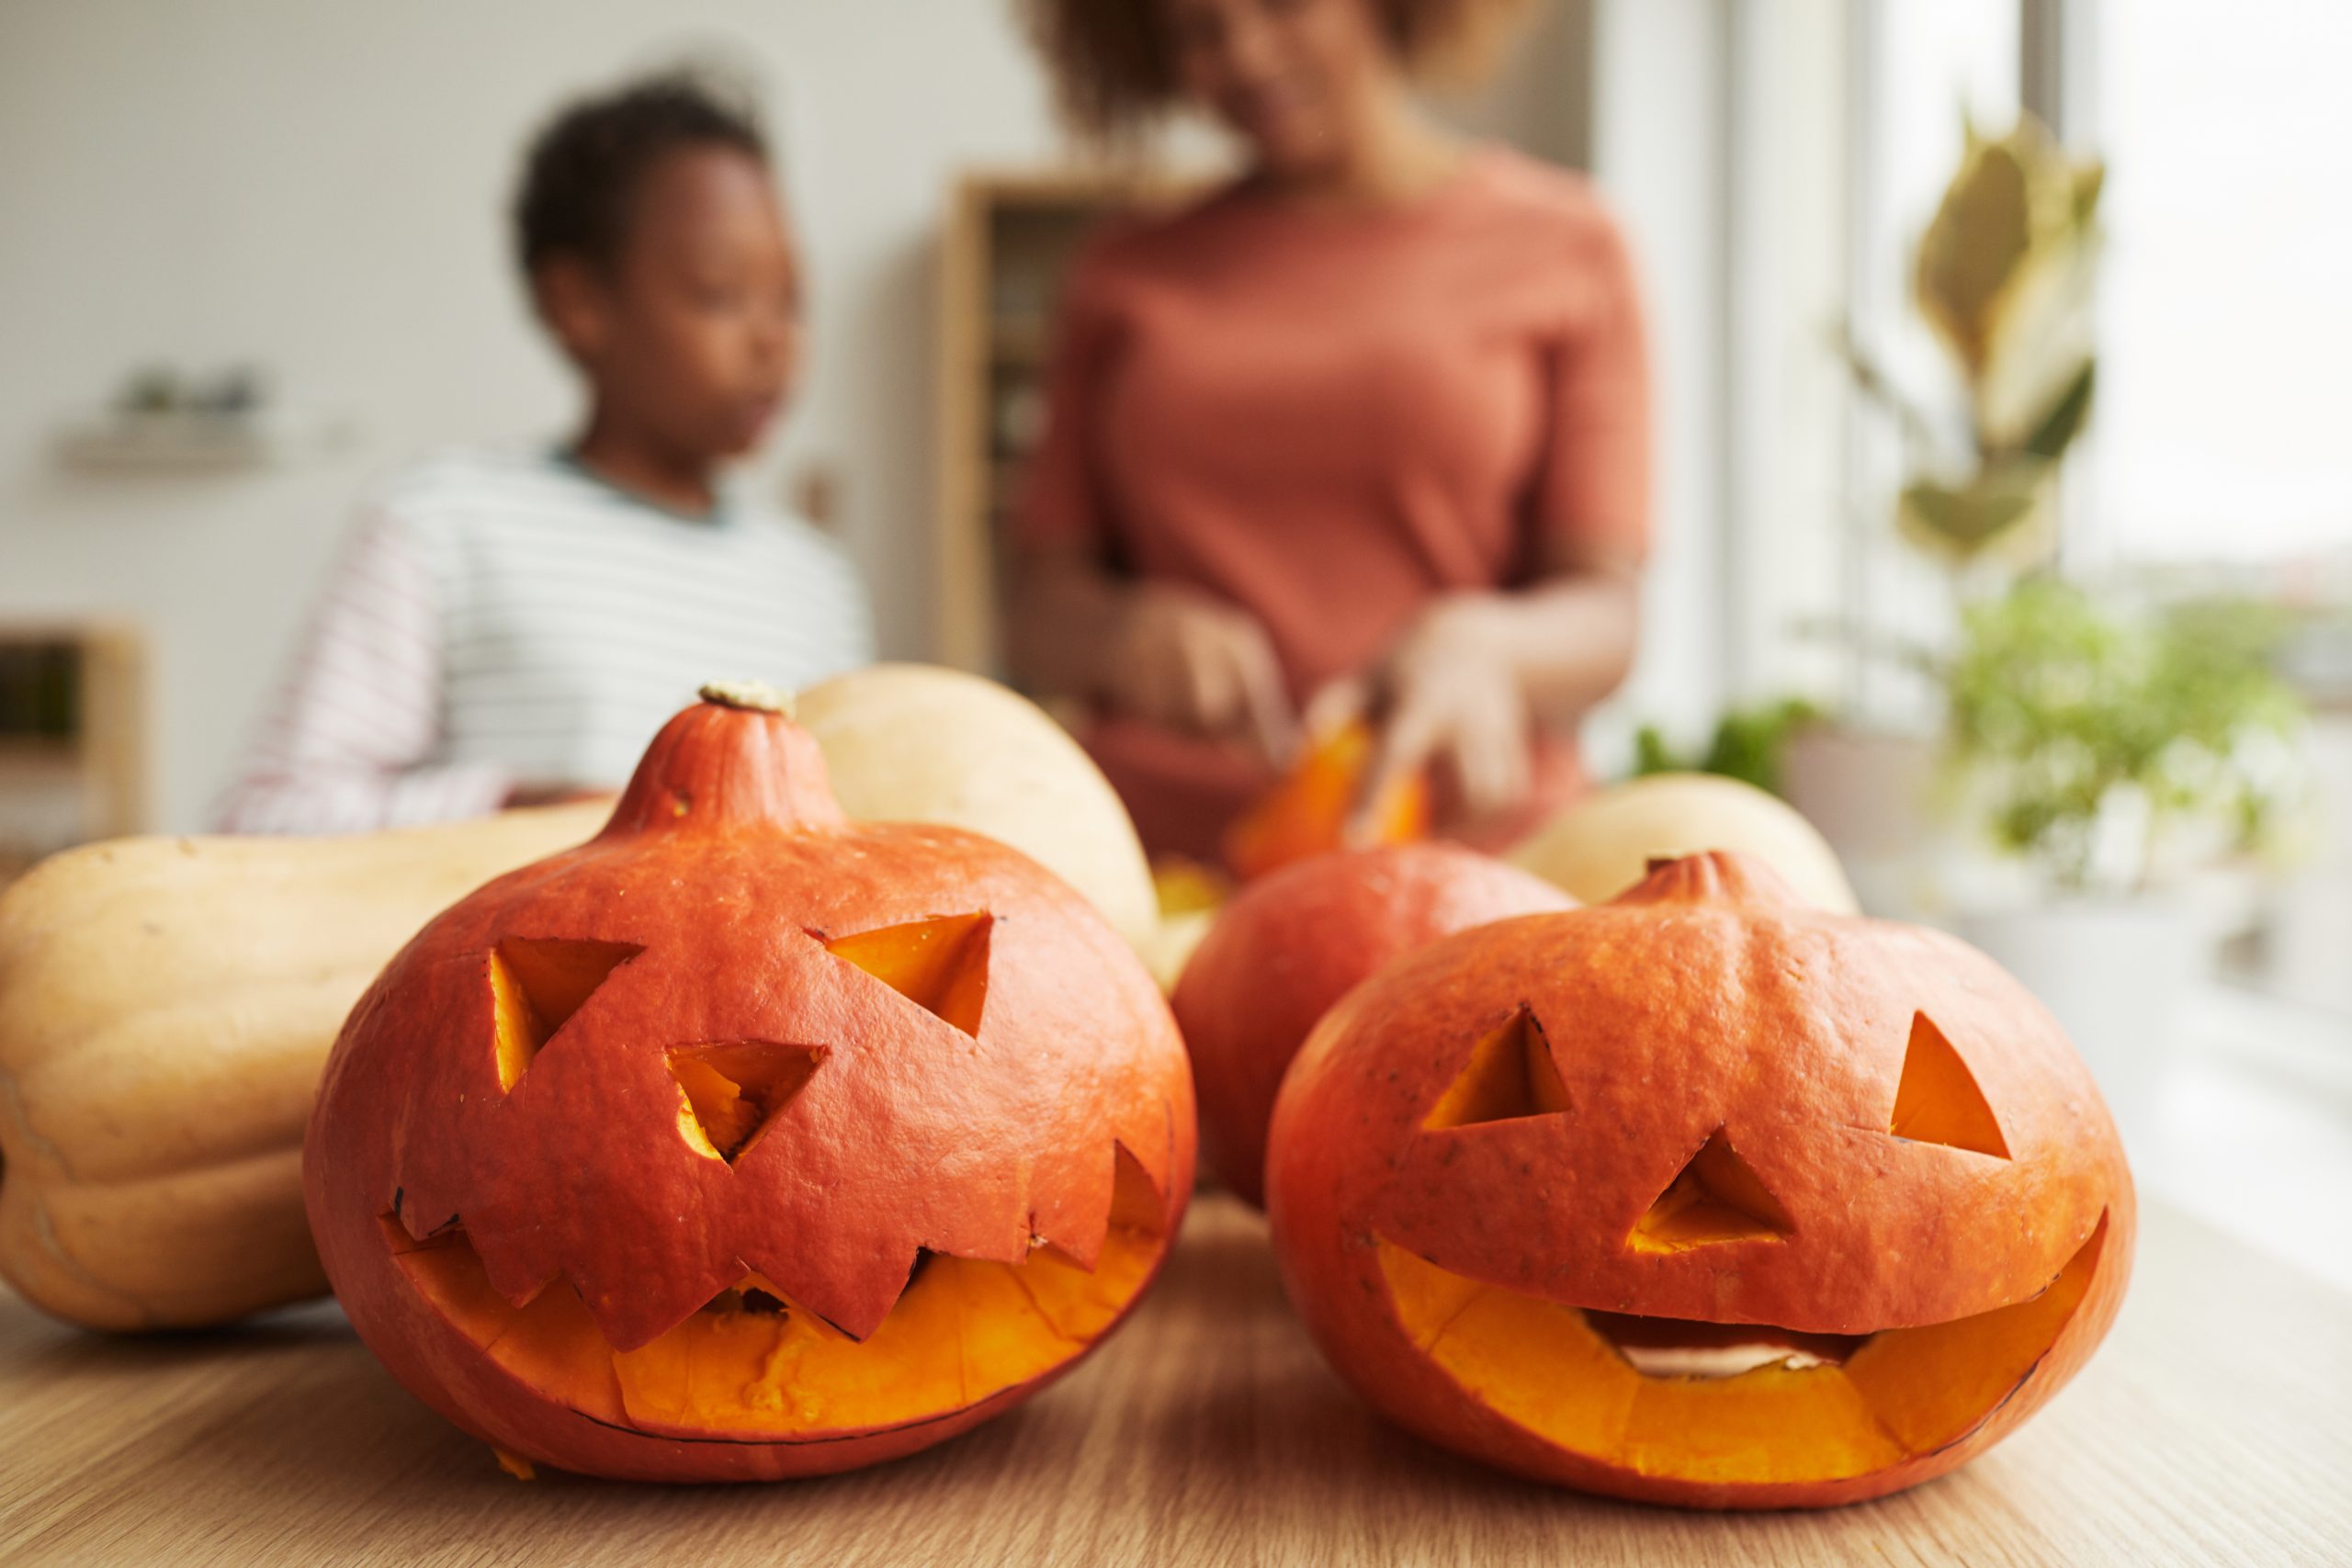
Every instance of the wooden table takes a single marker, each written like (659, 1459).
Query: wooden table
(2215, 1427)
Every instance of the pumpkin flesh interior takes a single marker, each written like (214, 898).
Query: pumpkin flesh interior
(1862, 1406)
(536, 987)
(941, 963)
(753, 1366)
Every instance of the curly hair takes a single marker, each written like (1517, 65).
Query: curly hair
(1113, 76)
(580, 175)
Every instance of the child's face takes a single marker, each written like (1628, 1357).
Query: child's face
(691, 336)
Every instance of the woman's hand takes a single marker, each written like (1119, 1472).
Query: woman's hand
(1163, 652)
(1189, 660)
(1466, 686)
(1448, 695)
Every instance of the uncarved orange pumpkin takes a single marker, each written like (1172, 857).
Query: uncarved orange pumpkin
(745, 1141)
(1289, 946)
(1701, 1197)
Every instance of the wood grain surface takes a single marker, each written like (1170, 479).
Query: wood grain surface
(2215, 1427)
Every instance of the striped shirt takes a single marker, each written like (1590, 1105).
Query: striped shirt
(507, 620)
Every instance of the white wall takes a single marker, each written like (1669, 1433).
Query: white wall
(318, 188)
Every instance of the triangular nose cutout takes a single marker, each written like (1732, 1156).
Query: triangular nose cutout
(1715, 1199)
(732, 1090)
(1938, 1101)
(536, 985)
(1509, 1075)
(942, 964)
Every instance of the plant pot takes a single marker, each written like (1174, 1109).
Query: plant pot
(1867, 791)
(2117, 975)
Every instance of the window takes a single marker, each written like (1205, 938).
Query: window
(2224, 422)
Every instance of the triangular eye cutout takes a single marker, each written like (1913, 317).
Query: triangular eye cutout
(1716, 1198)
(1510, 1075)
(941, 964)
(1938, 1101)
(731, 1090)
(536, 985)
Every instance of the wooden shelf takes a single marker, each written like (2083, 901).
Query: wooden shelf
(1019, 342)
(1009, 236)
(39, 757)
(61, 789)
(199, 443)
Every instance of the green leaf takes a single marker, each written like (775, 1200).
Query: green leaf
(1751, 744)
(1973, 245)
(2089, 180)
(2063, 419)
(1963, 522)
(1748, 744)
(1652, 754)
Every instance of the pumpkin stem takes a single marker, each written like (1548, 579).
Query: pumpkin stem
(733, 758)
(1711, 876)
(754, 696)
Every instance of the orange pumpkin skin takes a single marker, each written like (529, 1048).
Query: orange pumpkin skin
(580, 1190)
(1442, 1236)
(1289, 946)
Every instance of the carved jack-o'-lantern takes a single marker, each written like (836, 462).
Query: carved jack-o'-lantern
(744, 1141)
(1701, 1197)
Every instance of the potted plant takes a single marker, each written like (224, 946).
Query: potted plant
(2003, 277)
(2115, 758)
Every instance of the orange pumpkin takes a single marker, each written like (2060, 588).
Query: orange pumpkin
(744, 1141)
(1701, 1197)
(1306, 811)
(1289, 946)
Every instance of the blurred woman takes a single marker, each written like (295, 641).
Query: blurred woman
(1365, 429)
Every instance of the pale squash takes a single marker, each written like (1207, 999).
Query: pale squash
(165, 1006)
(1598, 847)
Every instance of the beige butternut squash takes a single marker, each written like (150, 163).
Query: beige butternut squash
(165, 1006)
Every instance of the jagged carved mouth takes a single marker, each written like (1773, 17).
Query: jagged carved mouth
(753, 1366)
(1731, 1403)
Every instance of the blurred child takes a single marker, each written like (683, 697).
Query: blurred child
(507, 627)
